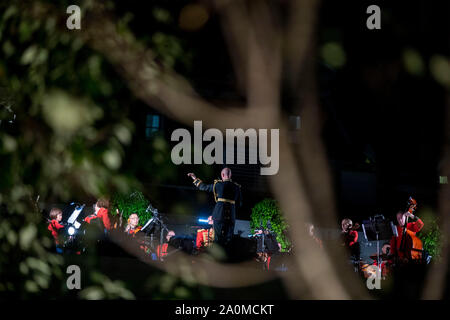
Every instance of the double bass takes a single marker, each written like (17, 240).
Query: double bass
(411, 246)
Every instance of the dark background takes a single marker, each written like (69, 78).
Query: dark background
(383, 126)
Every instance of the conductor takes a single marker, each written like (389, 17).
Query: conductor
(227, 194)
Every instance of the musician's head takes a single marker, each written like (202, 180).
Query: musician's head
(226, 174)
(101, 203)
(170, 234)
(401, 218)
(346, 225)
(56, 213)
(386, 249)
(133, 220)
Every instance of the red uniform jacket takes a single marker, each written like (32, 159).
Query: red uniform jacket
(162, 253)
(102, 214)
(54, 226)
(414, 227)
(351, 238)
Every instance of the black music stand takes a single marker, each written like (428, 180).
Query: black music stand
(378, 228)
(262, 243)
(154, 225)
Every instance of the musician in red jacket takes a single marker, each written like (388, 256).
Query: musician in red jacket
(350, 237)
(54, 226)
(163, 250)
(100, 212)
(411, 227)
(133, 224)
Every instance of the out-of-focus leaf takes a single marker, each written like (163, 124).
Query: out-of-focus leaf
(440, 69)
(112, 159)
(27, 235)
(29, 55)
(31, 286)
(92, 293)
(413, 62)
(123, 134)
(333, 54)
(193, 17)
(66, 114)
(8, 48)
(39, 265)
(12, 237)
(9, 143)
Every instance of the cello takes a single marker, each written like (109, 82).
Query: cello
(411, 246)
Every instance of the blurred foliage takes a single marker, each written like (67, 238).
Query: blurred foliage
(65, 133)
(333, 54)
(431, 235)
(440, 69)
(104, 288)
(413, 62)
(27, 267)
(167, 286)
(128, 204)
(269, 210)
(193, 17)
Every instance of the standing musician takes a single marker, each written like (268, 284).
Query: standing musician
(350, 237)
(411, 228)
(100, 212)
(227, 195)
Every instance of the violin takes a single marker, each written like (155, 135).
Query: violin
(411, 246)
(135, 230)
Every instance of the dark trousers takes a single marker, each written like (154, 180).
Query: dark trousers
(223, 231)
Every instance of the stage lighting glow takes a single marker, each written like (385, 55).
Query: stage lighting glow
(203, 220)
(71, 231)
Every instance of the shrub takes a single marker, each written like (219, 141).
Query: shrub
(269, 210)
(134, 202)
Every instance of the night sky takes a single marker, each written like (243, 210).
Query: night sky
(383, 126)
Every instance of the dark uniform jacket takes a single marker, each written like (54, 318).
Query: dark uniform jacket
(227, 194)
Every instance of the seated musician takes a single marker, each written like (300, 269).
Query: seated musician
(133, 225)
(55, 226)
(162, 250)
(384, 258)
(205, 237)
(412, 227)
(351, 238)
(100, 212)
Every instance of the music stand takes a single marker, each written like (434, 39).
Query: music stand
(153, 224)
(261, 246)
(378, 228)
